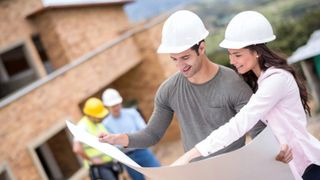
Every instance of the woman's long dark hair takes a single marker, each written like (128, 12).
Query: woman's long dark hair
(268, 58)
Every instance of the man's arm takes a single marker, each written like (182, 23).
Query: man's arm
(155, 129)
(78, 149)
(150, 135)
(256, 129)
(157, 125)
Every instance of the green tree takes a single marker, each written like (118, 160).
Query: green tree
(292, 34)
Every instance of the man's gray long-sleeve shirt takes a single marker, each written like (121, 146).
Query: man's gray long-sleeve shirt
(200, 109)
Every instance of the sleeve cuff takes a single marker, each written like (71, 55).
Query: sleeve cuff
(206, 147)
(202, 148)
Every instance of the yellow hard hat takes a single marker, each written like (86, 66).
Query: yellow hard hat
(94, 107)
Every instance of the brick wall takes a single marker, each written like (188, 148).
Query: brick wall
(69, 32)
(35, 113)
(13, 25)
(132, 66)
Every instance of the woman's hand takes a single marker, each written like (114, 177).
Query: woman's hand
(114, 139)
(285, 154)
(187, 157)
(181, 161)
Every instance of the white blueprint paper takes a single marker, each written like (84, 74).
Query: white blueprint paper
(252, 162)
(93, 141)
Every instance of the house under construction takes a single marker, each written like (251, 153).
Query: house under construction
(53, 56)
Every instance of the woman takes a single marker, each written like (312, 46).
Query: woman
(280, 99)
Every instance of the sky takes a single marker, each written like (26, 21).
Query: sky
(145, 9)
(138, 10)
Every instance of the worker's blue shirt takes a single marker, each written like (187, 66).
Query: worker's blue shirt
(129, 121)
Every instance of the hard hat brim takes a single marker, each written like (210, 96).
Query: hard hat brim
(178, 49)
(113, 103)
(238, 45)
(102, 114)
(165, 49)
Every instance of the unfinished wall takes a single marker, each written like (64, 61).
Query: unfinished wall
(53, 102)
(70, 32)
(13, 25)
(16, 30)
(132, 66)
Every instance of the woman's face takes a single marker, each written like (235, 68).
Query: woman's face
(244, 60)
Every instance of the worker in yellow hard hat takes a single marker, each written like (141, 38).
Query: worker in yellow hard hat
(100, 165)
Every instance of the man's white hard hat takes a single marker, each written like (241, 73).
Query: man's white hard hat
(247, 28)
(111, 97)
(181, 31)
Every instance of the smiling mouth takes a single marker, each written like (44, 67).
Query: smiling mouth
(239, 67)
(187, 68)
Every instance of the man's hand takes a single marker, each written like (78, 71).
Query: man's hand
(285, 154)
(96, 161)
(115, 139)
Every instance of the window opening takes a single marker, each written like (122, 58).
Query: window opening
(56, 156)
(15, 70)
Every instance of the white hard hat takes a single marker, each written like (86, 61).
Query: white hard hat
(247, 28)
(181, 31)
(111, 97)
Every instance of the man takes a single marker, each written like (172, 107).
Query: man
(204, 95)
(127, 120)
(101, 165)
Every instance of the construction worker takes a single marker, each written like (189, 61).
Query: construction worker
(100, 165)
(203, 95)
(280, 98)
(127, 120)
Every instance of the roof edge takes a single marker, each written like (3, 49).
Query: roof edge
(76, 5)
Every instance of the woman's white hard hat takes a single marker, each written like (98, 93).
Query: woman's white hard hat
(247, 28)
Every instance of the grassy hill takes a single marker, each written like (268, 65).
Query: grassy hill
(284, 15)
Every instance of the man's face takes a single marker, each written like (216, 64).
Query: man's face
(115, 110)
(187, 62)
(95, 119)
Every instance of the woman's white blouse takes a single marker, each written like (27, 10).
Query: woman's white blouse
(277, 102)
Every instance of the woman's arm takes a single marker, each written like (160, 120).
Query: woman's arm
(271, 90)
(285, 156)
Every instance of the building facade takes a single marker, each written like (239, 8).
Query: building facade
(54, 57)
